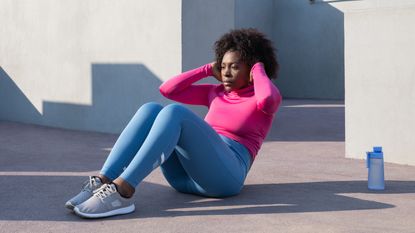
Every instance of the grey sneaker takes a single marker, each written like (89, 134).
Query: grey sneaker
(105, 202)
(93, 183)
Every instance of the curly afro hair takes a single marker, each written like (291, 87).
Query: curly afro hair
(253, 47)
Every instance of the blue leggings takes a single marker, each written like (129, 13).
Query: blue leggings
(192, 156)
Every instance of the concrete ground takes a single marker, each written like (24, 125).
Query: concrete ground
(300, 182)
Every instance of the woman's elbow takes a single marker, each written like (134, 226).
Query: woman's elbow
(270, 104)
(164, 91)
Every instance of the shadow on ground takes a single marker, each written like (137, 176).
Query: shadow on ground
(43, 198)
(32, 148)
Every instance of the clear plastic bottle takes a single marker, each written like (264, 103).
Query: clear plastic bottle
(376, 176)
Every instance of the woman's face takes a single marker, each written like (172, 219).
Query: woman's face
(234, 72)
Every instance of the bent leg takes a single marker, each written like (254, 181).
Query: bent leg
(203, 155)
(130, 140)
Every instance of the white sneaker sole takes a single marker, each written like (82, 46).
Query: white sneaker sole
(125, 210)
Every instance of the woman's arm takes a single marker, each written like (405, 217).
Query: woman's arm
(180, 88)
(267, 94)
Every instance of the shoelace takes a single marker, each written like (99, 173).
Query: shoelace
(89, 184)
(105, 191)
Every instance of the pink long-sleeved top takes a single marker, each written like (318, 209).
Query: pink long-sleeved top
(244, 115)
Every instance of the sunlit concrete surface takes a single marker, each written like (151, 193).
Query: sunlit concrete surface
(300, 182)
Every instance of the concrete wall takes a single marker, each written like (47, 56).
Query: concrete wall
(310, 42)
(85, 64)
(89, 64)
(203, 22)
(380, 79)
(256, 14)
(362, 50)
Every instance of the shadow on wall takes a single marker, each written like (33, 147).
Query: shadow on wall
(309, 120)
(118, 90)
(310, 43)
(13, 102)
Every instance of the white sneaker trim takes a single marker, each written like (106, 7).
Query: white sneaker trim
(124, 210)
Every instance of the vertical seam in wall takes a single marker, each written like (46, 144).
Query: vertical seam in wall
(273, 25)
(234, 13)
(181, 35)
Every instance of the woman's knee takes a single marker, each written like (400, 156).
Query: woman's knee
(150, 107)
(174, 110)
(175, 107)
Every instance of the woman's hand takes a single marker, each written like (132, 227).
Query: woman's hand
(251, 77)
(216, 71)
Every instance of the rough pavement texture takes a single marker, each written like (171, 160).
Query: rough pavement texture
(300, 182)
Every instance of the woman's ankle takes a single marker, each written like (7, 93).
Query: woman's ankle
(124, 188)
(104, 179)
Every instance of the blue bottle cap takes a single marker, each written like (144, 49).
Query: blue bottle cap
(377, 149)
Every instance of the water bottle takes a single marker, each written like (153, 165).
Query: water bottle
(376, 177)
